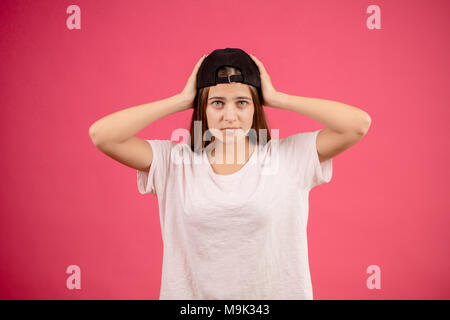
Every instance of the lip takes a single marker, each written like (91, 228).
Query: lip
(230, 128)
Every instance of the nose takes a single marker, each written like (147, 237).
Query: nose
(229, 113)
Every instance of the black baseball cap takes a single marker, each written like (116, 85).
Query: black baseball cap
(233, 57)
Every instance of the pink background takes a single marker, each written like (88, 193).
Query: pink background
(63, 202)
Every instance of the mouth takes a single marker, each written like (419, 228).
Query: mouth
(231, 131)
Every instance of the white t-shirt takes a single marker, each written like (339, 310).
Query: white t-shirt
(238, 236)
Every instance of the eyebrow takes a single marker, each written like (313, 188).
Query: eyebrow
(235, 98)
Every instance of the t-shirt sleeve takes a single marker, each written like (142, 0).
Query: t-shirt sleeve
(154, 181)
(301, 152)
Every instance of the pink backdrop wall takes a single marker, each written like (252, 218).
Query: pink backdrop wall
(65, 203)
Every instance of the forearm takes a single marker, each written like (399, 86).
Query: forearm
(335, 115)
(122, 125)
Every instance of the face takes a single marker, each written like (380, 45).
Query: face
(230, 105)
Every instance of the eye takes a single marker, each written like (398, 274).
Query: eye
(242, 105)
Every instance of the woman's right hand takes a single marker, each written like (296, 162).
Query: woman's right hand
(190, 90)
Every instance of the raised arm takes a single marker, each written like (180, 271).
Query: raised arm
(122, 125)
(114, 134)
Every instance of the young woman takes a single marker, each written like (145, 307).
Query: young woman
(233, 204)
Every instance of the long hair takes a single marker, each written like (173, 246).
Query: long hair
(259, 125)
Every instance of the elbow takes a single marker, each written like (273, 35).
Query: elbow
(365, 124)
(93, 134)
(91, 131)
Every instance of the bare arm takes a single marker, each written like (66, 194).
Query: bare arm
(114, 135)
(122, 125)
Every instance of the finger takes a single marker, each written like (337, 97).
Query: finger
(259, 63)
(199, 62)
(253, 57)
(201, 59)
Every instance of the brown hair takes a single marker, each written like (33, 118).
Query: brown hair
(199, 114)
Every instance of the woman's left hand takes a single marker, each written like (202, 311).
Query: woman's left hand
(268, 91)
